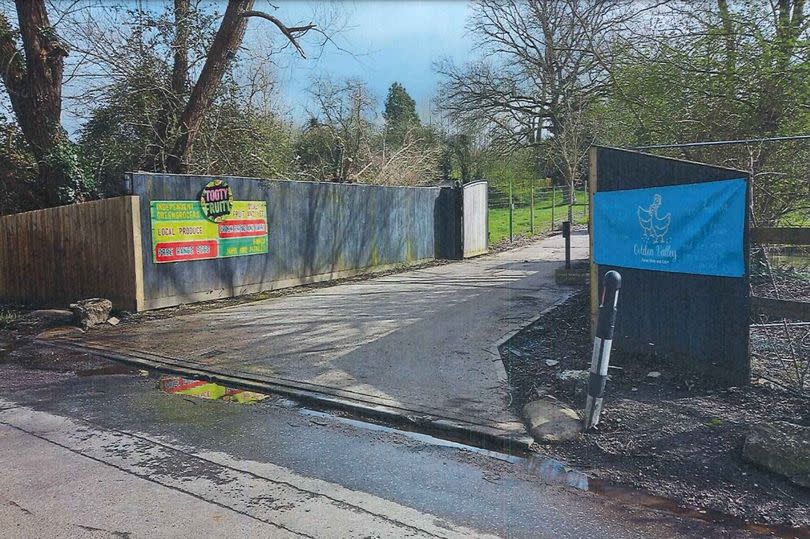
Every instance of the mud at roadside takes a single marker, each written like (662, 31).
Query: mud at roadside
(664, 434)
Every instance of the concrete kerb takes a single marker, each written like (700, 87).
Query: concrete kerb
(495, 348)
(451, 429)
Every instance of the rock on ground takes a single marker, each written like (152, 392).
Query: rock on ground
(551, 421)
(89, 312)
(781, 447)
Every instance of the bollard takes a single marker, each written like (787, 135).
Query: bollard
(602, 343)
(566, 232)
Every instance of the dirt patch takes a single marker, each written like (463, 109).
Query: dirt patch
(667, 435)
(27, 359)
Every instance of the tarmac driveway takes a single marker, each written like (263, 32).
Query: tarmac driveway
(420, 343)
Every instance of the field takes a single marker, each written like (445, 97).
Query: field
(499, 217)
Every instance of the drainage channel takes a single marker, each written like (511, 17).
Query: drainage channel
(549, 470)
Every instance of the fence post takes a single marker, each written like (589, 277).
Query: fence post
(566, 232)
(531, 207)
(602, 343)
(511, 210)
(553, 203)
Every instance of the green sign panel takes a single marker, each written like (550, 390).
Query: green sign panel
(182, 230)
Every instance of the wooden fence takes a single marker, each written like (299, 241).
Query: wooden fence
(58, 255)
(774, 307)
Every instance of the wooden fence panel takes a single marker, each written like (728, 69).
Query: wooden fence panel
(58, 255)
(785, 236)
(475, 220)
(781, 308)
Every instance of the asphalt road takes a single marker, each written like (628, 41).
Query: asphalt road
(420, 342)
(113, 456)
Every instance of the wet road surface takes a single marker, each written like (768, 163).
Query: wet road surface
(112, 456)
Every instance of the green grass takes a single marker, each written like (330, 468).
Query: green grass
(800, 219)
(499, 217)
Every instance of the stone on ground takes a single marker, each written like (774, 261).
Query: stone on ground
(781, 447)
(90, 312)
(551, 421)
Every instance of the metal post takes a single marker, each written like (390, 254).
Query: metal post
(531, 207)
(511, 210)
(566, 230)
(602, 343)
(553, 203)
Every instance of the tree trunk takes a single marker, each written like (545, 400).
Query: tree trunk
(180, 45)
(167, 117)
(226, 42)
(35, 91)
(571, 199)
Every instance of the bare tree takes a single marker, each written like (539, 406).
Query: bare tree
(413, 162)
(226, 42)
(338, 143)
(33, 75)
(541, 69)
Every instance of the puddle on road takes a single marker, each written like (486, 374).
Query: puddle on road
(557, 472)
(178, 385)
(546, 469)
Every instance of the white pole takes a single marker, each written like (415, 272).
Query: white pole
(602, 343)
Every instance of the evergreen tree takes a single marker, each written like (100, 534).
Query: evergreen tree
(400, 114)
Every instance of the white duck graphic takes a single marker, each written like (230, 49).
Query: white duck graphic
(655, 227)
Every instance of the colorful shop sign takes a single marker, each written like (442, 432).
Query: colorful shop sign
(216, 200)
(184, 230)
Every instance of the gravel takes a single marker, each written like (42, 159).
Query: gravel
(665, 434)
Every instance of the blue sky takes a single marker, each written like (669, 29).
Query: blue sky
(377, 41)
(393, 40)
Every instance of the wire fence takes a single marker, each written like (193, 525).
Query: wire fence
(779, 168)
(525, 210)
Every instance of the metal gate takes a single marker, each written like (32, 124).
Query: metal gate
(475, 219)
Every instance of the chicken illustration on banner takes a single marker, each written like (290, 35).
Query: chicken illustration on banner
(655, 227)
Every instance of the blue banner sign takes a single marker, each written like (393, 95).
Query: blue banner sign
(691, 228)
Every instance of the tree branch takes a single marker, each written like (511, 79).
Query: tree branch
(292, 33)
